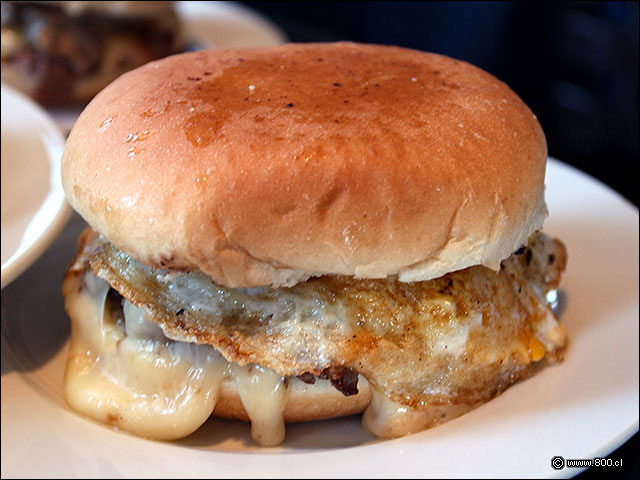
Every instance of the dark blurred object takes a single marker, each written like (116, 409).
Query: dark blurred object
(585, 66)
(66, 52)
(574, 63)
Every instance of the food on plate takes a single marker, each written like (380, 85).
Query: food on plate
(64, 52)
(304, 232)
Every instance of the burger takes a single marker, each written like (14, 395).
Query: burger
(64, 52)
(305, 232)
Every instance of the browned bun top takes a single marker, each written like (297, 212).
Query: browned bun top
(267, 166)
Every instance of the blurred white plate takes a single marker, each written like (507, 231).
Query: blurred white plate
(33, 205)
(206, 25)
(582, 408)
(227, 24)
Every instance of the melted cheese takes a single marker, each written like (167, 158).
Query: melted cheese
(147, 385)
(387, 419)
(130, 375)
(133, 377)
(264, 396)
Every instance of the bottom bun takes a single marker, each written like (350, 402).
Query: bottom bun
(305, 402)
(321, 401)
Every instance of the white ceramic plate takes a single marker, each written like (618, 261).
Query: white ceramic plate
(33, 206)
(586, 406)
(207, 25)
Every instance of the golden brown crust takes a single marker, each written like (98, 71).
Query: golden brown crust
(267, 166)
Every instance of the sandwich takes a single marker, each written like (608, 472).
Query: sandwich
(64, 52)
(304, 232)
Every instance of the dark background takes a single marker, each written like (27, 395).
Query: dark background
(574, 63)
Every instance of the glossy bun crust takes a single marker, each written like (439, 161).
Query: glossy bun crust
(268, 166)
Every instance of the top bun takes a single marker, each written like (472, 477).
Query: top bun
(268, 166)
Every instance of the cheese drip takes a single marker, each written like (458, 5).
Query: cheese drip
(133, 377)
(263, 394)
(388, 419)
